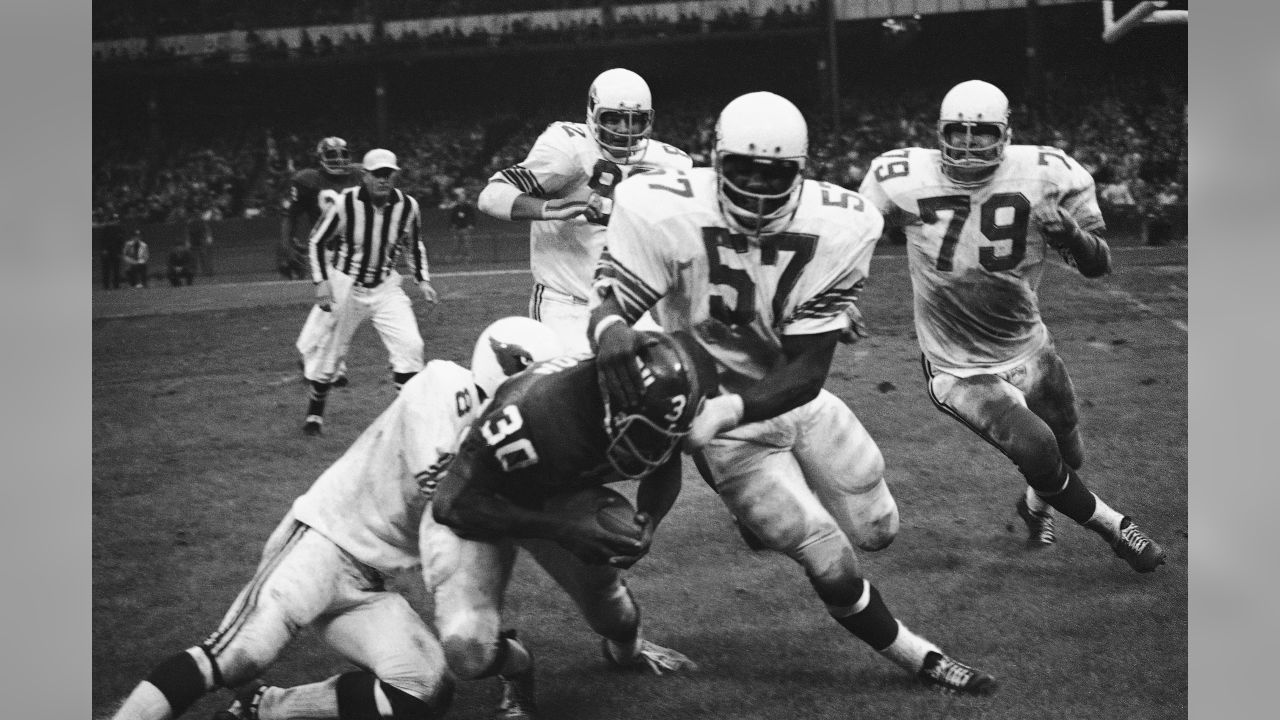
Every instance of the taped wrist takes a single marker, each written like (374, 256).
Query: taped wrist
(604, 323)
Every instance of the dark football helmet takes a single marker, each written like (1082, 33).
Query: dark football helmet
(678, 374)
(334, 156)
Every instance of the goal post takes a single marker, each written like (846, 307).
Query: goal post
(1144, 13)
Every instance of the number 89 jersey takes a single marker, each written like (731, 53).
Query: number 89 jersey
(668, 243)
(976, 259)
(565, 162)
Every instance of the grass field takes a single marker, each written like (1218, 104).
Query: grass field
(197, 453)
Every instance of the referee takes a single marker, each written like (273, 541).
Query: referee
(356, 280)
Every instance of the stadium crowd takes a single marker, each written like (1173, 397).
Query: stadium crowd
(1130, 134)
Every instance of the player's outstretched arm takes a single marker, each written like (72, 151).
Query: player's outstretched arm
(794, 382)
(507, 202)
(614, 342)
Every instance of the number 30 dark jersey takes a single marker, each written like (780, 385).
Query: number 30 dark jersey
(542, 435)
(976, 258)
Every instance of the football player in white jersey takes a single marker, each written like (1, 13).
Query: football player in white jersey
(565, 187)
(761, 265)
(326, 563)
(981, 215)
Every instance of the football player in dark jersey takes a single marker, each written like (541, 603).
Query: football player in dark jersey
(549, 431)
(310, 192)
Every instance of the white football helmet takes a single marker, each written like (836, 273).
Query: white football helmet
(761, 150)
(620, 95)
(508, 346)
(973, 104)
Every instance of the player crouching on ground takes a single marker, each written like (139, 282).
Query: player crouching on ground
(327, 562)
(552, 430)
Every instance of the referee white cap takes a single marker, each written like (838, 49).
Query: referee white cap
(379, 158)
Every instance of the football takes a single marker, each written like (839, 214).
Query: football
(612, 510)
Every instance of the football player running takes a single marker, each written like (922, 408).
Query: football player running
(550, 431)
(311, 191)
(326, 565)
(761, 266)
(565, 187)
(981, 216)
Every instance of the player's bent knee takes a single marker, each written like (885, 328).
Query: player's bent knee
(832, 567)
(875, 518)
(1037, 457)
(469, 657)
(1071, 446)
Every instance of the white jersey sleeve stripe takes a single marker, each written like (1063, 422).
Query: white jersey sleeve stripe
(633, 293)
(519, 176)
(828, 304)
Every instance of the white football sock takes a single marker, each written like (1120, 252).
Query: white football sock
(146, 702)
(908, 649)
(1036, 503)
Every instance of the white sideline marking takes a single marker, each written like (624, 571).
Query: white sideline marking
(434, 275)
(1135, 302)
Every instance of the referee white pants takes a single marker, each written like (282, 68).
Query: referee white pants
(568, 316)
(387, 306)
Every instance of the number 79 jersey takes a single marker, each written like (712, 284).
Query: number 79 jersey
(668, 243)
(976, 258)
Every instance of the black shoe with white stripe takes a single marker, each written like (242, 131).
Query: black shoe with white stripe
(518, 699)
(313, 426)
(1040, 531)
(1137, 548)
(954, 677)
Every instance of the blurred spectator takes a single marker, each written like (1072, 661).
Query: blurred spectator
(462, 221)
(1160, 226)
(181, 264)
(112, 239)
(135, 257)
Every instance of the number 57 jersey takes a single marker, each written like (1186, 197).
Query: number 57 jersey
(668, 243)
(976, 258)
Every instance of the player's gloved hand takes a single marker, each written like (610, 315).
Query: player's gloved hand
(324, 296)
(857, 326)
(429, 292)
(718, 414)
(646, 521)
(563, 209)
(618, 362)
(593, 544)
(1058, 226)
(598, 208)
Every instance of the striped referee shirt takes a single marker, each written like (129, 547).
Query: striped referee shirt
(369, 238)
